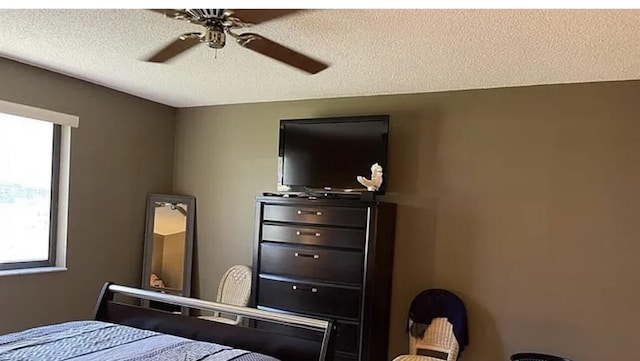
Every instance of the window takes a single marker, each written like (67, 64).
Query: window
(33, 186)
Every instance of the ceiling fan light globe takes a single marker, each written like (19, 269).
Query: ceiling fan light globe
(215, 38)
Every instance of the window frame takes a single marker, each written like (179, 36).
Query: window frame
(53, 208)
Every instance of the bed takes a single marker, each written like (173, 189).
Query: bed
(123, 331)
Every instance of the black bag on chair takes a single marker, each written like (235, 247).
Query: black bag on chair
(434, 303)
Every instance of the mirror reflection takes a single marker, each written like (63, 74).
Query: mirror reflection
(169, 246)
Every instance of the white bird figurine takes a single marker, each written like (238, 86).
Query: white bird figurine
(375, 182)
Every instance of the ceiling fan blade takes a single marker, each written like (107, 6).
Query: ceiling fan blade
(179, 14)
(257, 16)
(171, 13)
(281, 53)
(173, 49)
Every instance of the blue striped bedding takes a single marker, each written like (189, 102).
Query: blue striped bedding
(101, 341)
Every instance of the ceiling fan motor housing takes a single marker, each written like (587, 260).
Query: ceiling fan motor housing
(215, 37)
(203, 14)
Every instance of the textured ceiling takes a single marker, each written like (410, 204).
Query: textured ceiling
(167, 221)
(370, 52)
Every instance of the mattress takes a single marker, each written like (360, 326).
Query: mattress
(94, 341)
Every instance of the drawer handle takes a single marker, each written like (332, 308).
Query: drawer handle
(310, 289)
(314, 213)
(301, 233)
(314, 256)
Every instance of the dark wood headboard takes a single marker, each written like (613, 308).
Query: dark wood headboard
(278, 345)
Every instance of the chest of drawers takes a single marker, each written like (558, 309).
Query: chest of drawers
(330, 259)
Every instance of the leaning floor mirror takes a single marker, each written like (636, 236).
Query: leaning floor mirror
(168, 247)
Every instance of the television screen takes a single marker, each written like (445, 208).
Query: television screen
(329, 153)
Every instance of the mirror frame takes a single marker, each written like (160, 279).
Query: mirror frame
(190, 202)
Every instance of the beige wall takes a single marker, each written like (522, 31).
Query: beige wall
(173, 260)
(524, 201)
(156, 255)
(122, 150)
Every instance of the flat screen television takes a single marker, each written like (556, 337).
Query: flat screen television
(329, 153)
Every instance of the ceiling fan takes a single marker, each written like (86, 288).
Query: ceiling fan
(218, 23)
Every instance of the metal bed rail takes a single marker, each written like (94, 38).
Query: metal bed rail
(253, 313)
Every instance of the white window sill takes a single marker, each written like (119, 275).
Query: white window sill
(28, 271)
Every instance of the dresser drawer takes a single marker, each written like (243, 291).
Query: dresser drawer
(346, 334)
(311, 262)
(347, 338)
(336, 216)
(317, 236)
(344, 357)
(308, 298)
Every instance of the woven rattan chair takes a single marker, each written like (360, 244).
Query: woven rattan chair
(234, 289)
(536, 357)
(439, 343)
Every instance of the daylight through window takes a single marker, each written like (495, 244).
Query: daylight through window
(29, 172)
